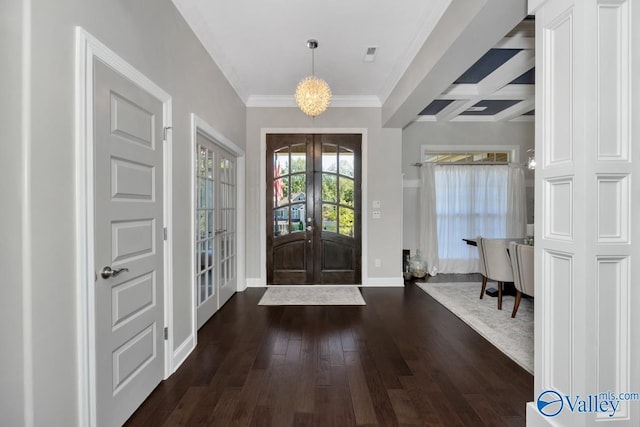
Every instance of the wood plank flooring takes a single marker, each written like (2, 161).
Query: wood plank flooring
(401, 360)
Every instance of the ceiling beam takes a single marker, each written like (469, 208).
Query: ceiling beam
(467, 30)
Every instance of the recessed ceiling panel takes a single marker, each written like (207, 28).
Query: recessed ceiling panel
(435, 107)
(486, 65)
(490, 107)
(528, 78)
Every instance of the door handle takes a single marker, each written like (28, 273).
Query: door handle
(108, 273)
(220, 231)
(309, 228)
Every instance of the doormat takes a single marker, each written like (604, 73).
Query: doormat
(312, 295)
(514, 337)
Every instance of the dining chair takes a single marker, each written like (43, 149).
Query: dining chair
(522, 266)
(498, 265)
(483, 267)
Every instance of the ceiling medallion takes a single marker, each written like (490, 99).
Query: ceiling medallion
(313, 94)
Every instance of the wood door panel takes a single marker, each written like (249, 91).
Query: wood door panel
(336, 256)
(290, 256)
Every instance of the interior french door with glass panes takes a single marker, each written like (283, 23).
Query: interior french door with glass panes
(215, 240)
(313, 209)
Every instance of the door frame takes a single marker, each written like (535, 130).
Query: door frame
(262, 281)
(200, 125)
(89, 48)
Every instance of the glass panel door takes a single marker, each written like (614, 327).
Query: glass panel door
(216, 234)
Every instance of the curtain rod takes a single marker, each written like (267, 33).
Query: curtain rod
(466, 163)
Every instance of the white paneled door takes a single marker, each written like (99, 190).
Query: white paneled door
(587, 326)
(129, 318)
(216, 234)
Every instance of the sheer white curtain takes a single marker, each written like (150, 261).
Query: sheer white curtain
(516, 202)
(466, 201)
(428, 218)
(470, 201)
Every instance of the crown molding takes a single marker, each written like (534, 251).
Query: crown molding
(287, 101)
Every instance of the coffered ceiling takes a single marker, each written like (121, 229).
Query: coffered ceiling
(260, 46)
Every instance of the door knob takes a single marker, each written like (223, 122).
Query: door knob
(107, 272)
(309, 228)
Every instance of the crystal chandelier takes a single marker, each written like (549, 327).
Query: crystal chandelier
(313, 94)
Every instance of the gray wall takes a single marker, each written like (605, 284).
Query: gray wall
(11, 324)
(152, 36)
(452, 134)
(383, 179)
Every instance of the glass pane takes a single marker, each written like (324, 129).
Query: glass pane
(203, 288)
(298, 187)
(329, 222)
(281, 221)
(298, 218)
(329, 157)
(281, 191)
(346, 191)
(202, 190)
(329, 188)
(209, 164)
(209, 193)
(209, 283)
(202, 159)
(210, 228)
(298, 158)
(202, 225)
(209, 253)
(347, 164)
(346, 221)
(223, 248)
(281, 162)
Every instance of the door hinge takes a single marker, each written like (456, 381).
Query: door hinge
(164, 233)
(165, 129)
(166, 332)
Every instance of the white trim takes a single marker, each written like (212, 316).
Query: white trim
(387, 282)
(88, 47)
(410, 183)
(200, 125)
(262, 280)
(337, 101)
(27, 258)
(254, 282)
(183, 351)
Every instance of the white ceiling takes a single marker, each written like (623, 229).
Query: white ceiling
(423, 46)
(261, 45)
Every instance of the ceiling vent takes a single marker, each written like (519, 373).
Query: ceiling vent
(370, 55)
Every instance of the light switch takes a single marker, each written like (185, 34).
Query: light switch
(375, 214)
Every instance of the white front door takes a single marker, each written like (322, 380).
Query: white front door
(216, 235)
(129, 300)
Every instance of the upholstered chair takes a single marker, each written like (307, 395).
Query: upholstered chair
(496, 259)
(483, 267)
(522, 266)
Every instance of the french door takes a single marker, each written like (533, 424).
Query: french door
(215, 239)
(314, 209)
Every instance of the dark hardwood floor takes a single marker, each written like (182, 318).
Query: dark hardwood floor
(402, 359)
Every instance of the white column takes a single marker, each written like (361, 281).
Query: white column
(587, 305)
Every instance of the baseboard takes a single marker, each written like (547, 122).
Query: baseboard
(256, 282)
(536, 419)
(389, 282)
(183, 351)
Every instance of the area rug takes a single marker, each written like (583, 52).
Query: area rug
(312, 295)
(514, 337)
